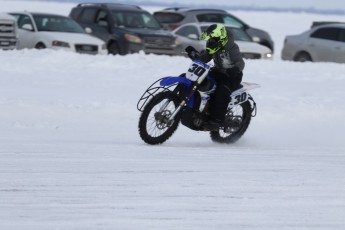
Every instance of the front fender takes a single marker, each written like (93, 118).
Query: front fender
(166, 81)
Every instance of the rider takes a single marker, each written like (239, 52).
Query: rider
(227, 70)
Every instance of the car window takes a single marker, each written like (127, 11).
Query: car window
(102, 18)
(210, 18)
(150, 21)
(342, 35)
(232, 21)
(240, 35)
(164, 17)
(88, 15)
(56, 23)
(134, 19)
(22, 20)
(188, 30)
(327, 33)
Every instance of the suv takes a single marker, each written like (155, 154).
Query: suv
(172, 18)
(8, 32)
(124, 28)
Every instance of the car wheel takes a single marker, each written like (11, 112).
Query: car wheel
(40, 46)
(113, 48)
(303, 57)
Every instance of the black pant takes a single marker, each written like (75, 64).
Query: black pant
(221, 97)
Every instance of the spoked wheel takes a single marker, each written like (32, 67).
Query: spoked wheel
(235, 124)
(155, 127)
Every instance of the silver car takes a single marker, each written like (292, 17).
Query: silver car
(188, 35)
(174, 17)
(324, 43)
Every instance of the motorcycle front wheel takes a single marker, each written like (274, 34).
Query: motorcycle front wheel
(155, 127)
(236, 123)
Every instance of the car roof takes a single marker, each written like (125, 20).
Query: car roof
(111, 6)
(320, 23)
(188, 9)
(207, 24)
(38, 14)
(327, 25)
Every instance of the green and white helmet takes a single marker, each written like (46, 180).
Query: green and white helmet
(216, 37)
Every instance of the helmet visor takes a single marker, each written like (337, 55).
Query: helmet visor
(212, 43)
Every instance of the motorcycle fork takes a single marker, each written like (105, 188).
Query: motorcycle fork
(182, 104)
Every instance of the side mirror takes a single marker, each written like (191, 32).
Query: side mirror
(193, 36)
(27, 27)
(88, 30)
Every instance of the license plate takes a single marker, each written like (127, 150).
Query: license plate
(87, 48)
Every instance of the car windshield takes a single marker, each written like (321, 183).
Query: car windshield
(135, 20)
(57, 24)
(166, 17)
(239, 34)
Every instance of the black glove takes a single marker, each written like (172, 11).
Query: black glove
(234, 72)
(192, 52)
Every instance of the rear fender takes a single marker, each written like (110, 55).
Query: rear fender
(241, 95)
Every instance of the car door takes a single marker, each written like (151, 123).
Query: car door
(324, 44)
(26, 31)
(340, 47)
(96, 20)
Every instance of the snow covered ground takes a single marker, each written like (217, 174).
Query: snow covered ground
(71, 156)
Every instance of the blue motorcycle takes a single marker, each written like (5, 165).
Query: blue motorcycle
(185, 99)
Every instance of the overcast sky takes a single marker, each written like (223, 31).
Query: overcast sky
(323, 6)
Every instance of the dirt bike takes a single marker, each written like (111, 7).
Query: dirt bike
(185, 98)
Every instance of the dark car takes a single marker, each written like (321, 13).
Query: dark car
(172, 18)
(124, 28)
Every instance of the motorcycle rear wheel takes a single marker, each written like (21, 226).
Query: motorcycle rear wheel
(153, 126)
(236, 123)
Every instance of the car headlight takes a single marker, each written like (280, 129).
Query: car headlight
(178, 41)
(132, 38)
(60, 44)
(268, 55)
(104, 46)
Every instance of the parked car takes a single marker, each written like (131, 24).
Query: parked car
(172, 18)
(40, 30)
(189, 35)
(8, 32)
(124, 28)
(324, 43)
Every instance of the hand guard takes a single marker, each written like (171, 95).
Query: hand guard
(192, 52)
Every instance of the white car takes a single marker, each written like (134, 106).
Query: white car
(188, 35)
(40, 30)
(8, 32)
(322, 43)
